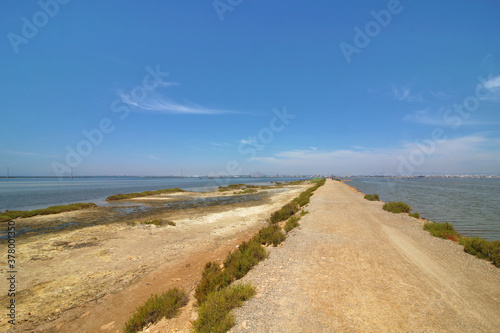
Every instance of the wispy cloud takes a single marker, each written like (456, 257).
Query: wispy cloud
(217, 144)
(153, 157)
(158, 103)
(405, 94)
(441, 95)
(27, 153)
(445, 117)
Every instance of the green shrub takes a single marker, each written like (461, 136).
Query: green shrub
(415, 215)
(236, 265)
(155, 308)
(482, 248)
(292, 223)
(272, 234)
(172, 223)
(372, 197)
(214, 315)
(156, 222)
(285, 212)
(304, 212)
(442, 230)
(212, 279)
(476, 246)
(241, 261)
(9, 215)
(142, 194)
(397, 207)
(495, 253)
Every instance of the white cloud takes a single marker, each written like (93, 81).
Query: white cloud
(492, 86)
(153, 157)
(405, 94)
(468, 154)
(493, 83)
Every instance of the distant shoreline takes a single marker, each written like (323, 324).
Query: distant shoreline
(344, 178)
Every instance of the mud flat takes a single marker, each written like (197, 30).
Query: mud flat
(87, 271)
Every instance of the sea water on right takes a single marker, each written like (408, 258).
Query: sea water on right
(472, 206)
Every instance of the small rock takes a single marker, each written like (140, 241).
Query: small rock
(108, 326)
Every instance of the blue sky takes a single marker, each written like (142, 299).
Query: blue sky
(235, 87)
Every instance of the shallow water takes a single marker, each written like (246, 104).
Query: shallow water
(471, 205)
(35, 193)
(128, 210)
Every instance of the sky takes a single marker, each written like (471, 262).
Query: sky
(237, 87)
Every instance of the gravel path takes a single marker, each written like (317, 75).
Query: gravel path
(352, 267)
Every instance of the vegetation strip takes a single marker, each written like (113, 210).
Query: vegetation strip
(481, 248)
(476, 246)
(216, 298)
(155, 308)
(142, 194)
(372, 197)
(9, 215)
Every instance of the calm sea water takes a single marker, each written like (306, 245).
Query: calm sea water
(35, 193)
(471, 205)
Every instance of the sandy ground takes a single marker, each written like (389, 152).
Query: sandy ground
(91, 277)
(353, 267)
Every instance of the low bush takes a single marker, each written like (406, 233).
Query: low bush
(236, 265)
(285, 212)
(442, 230)
(292, 223)
(142, 194)
(482, 248)
(171, 223)
(495, 253)
(241, 261)
(270, 235)
(304, 212)
(397, 207)
(9, 215)
(155, 308)
(156, 222)
(214, 315)
(372, 197)
(233, 187)
(415, 215)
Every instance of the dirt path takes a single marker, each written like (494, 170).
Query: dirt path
(353, 267)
